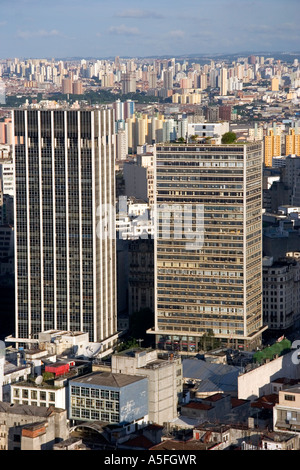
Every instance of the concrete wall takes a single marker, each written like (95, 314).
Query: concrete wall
(163, 383)
(134, 401)
(135, 181)
(256, 383)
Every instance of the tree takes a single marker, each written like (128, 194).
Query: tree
(228, 138)
(208, 341)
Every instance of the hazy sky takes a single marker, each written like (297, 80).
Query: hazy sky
(104, 28)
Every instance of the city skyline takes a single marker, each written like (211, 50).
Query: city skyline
(65, 28)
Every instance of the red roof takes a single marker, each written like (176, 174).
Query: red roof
(266, 402)
(198, 405)
(238, 402)
(139, 441)
(215, 397)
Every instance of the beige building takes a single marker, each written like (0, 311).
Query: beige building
(275, 84)
(286, 415)
(260, 380)
(164, 384)
(279, 441)
(208, 245)
(24, 427)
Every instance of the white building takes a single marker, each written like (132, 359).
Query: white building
(208, 129)
(7, 177)
(26, 393)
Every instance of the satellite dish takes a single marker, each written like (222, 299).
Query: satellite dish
(92, 349)
(39, 380)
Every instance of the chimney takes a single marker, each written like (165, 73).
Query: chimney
(251, 423)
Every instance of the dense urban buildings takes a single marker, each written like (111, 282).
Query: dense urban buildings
(153, 246)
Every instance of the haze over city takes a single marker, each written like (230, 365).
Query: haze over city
(65, 28)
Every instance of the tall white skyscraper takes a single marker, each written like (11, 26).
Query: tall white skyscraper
(223, 78)
(65, 263)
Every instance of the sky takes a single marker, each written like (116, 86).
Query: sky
(139, 28)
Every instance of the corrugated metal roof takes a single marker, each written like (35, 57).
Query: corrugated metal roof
(220, 376)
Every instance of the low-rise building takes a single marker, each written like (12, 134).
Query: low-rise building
(286, 414)
(279, 441)
(35, 394)
(24, 427)
(113, 398)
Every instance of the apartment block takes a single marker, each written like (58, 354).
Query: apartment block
(115, 398)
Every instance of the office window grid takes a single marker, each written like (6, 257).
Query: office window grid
(95, 404)
(63, 280)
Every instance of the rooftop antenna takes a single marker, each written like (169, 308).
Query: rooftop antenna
(39, 380)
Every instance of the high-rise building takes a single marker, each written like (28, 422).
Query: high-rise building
(223, 85)
(128, 83)
(67, 86)
(129, 108)
(272, 146)
(64, 222)
(292, 142)
(208, 245)
(168, 79)
(275, 84)
(77, 88)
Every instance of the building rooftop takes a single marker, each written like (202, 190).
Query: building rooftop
(223, 377)
(107, 379)
(191, 444)
(132, 352)
(215, 397)
(267, 402)
(197, 405)
(28, 410)
(293, 389)
(278, 436)
(285, 381)
(235, 402)
(141, 442)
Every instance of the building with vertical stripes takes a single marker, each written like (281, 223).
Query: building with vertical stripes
(65, 265)
(208, 245)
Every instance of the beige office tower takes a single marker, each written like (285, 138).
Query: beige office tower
(208, 245)
(67, 86)
(77, 88)
(128, 82)
(152, 80)
(223, 82)
(65, 262)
